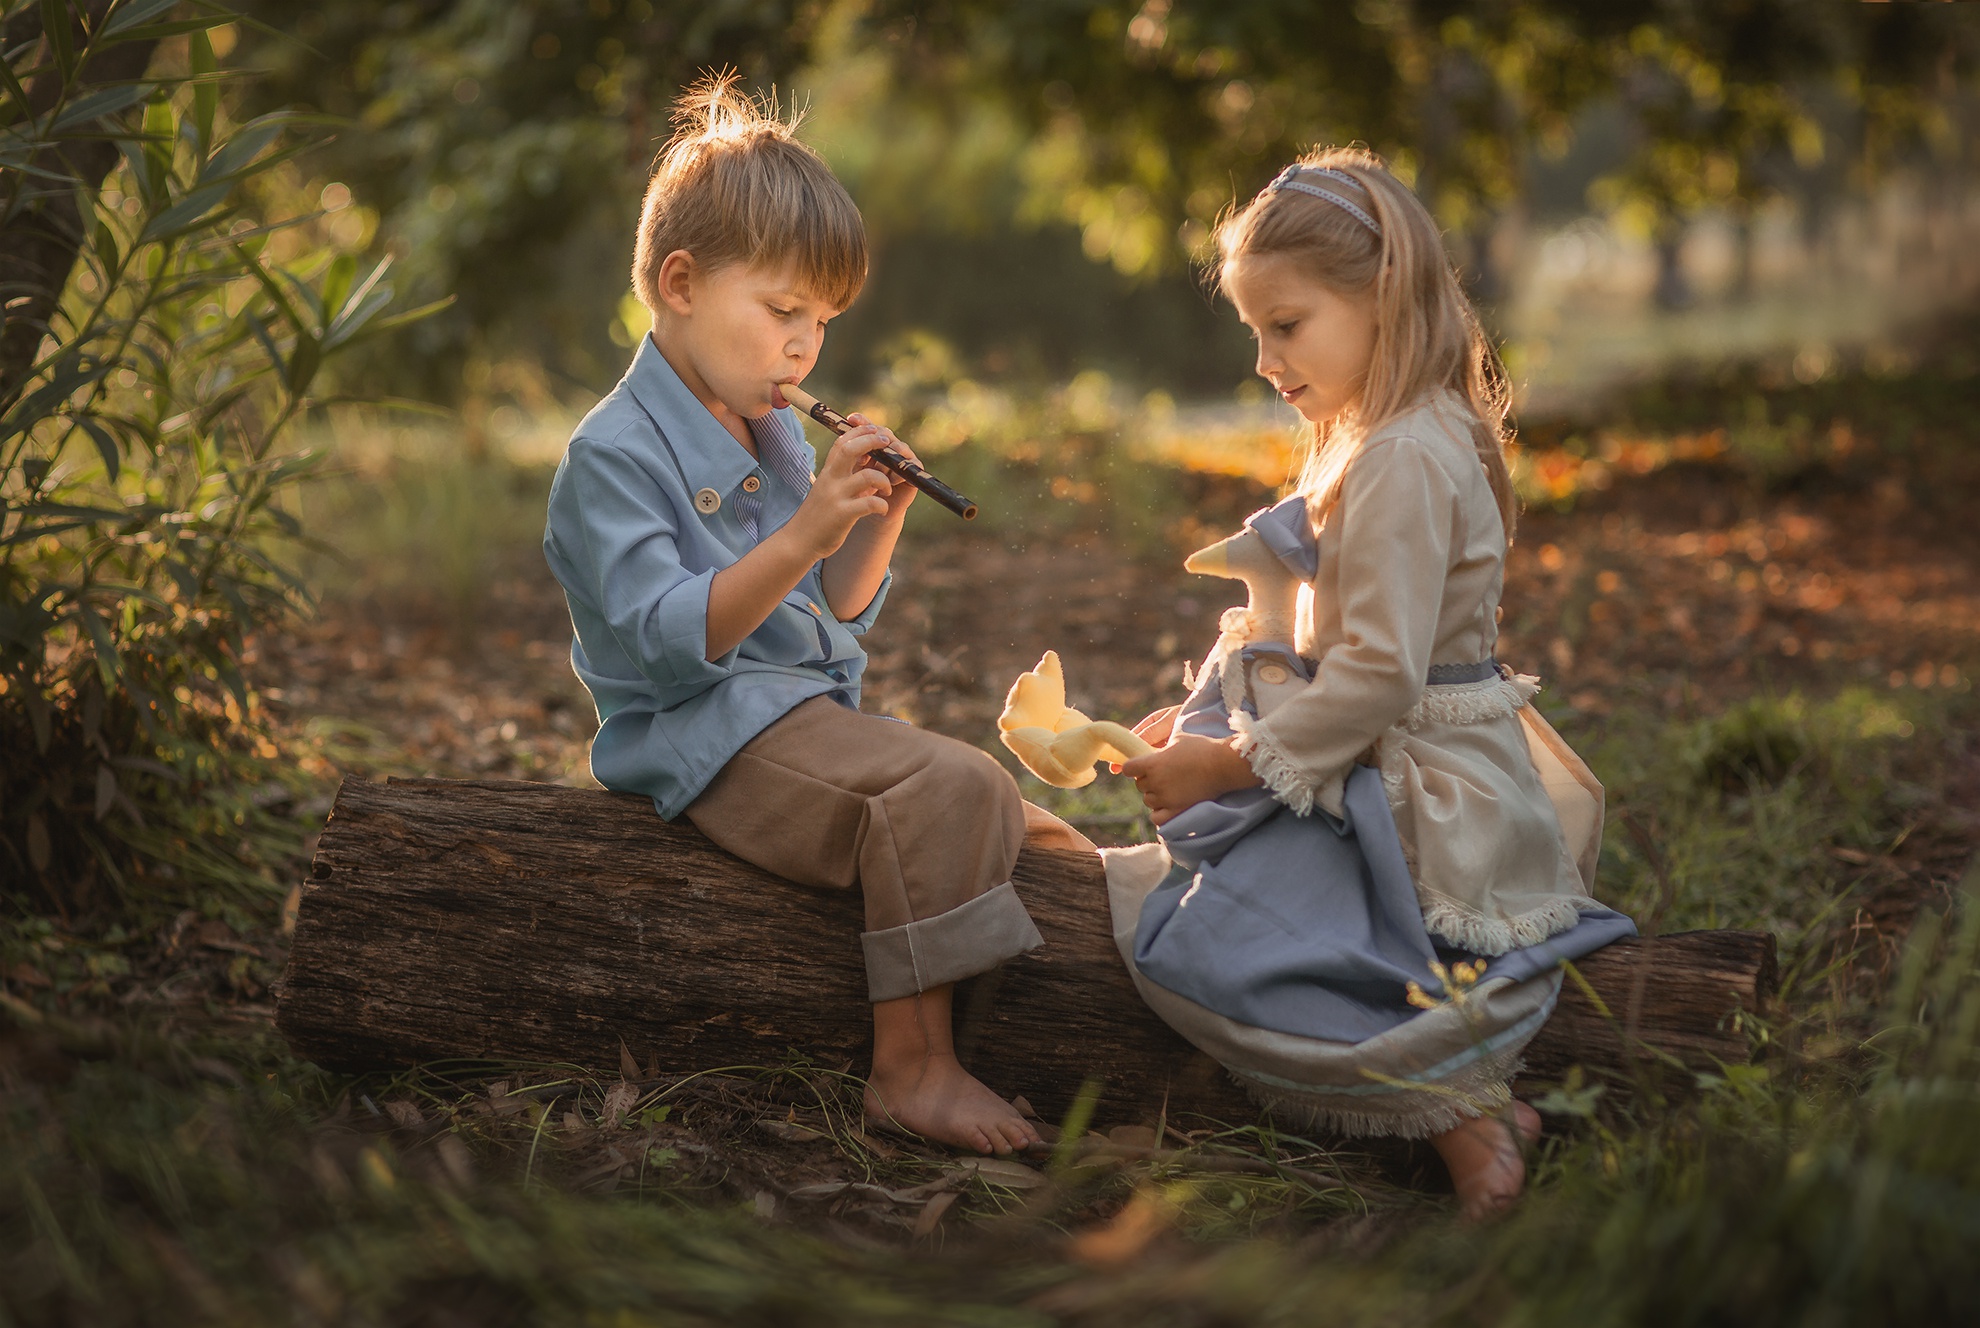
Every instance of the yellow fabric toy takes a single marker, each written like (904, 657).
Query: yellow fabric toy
(1060, 745)
(1056, 742)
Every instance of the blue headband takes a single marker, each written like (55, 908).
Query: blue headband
(1289, 179)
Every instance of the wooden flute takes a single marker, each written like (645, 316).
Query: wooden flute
(886, 456)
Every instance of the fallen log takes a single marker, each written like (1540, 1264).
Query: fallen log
(514, 921)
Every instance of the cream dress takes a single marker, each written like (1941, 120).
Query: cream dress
(1499, 822)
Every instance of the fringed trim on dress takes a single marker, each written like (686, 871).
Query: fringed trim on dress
(1471, 702)
(1271, 763)
(1407, 1112)
(1468, 929)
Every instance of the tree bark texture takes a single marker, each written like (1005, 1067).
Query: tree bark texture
(531, 922)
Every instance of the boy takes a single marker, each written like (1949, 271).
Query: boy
(718, 589)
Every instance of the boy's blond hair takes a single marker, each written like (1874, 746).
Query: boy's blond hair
(1426, 334)
(734, 185)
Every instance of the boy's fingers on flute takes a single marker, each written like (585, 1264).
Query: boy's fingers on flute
(892, 441)
(857, 444)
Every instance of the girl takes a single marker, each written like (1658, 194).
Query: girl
(1339, 860)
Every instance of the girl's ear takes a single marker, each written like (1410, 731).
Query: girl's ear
(675, 282)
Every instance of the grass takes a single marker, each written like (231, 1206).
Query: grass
(164, 1160)
(207, 1178)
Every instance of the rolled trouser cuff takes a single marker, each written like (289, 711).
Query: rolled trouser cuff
(969, 939)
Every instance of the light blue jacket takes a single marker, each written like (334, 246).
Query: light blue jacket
(636, 553)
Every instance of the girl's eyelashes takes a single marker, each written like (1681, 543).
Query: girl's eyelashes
(1285, 329)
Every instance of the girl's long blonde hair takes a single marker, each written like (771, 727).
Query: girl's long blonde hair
(1426, 334)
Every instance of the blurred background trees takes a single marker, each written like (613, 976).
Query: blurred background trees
(1039, 175)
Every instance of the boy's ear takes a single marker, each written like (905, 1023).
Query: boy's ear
(674, 282)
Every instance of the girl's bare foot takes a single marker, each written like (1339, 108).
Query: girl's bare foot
(939, 1100)
(1488, 1168)
(919, 1086)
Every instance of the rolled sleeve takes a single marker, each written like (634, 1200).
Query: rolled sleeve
(862, 622)
(656, 609)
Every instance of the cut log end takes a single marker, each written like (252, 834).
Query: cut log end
(513, 921)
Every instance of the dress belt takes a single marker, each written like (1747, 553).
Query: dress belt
(1443, 675)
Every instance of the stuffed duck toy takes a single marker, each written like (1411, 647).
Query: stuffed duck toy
(1252, 661)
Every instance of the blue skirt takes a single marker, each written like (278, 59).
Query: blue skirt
(1307, 925)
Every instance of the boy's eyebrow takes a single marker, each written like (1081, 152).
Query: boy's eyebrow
(796, 296)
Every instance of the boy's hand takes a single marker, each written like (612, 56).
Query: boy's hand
(849, 487)
(900, 493)
(1191, 769)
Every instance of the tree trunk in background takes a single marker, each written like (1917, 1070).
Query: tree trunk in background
(531, 922)
(1673, 289)
(39, 240)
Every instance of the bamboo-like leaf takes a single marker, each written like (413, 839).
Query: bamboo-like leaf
(354, 321)
(106, 445)
(337, 282)
(399, 320)
(206, 92)
(303, 363)
(245, 144)
(132, 13)
(311, 300)
(28, 534)
(109, 664)
(45, 400)
(61, 41)
(188, 212)
(176, 27)
(262, 335)
(161, 125)
(10, 83)
(365, 287)
(76, 511)
(271, 288)
(102, 102)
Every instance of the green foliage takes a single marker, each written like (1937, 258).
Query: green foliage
(506, 146)
(141, 470)
(1147, 114)
(1738, 819)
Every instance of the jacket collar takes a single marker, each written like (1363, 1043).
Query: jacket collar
(709, 456)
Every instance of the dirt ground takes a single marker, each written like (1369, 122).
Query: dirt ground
(1684, 590)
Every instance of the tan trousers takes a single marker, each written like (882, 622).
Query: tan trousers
(928, 828)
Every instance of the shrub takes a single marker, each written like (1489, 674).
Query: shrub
(141, 467)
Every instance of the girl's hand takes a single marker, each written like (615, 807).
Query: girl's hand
(1154, 730)
(849, 487)
(1189, 770)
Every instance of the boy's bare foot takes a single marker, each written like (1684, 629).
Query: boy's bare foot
(919, 1086)
(1488, 1167)
(939, 1100)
